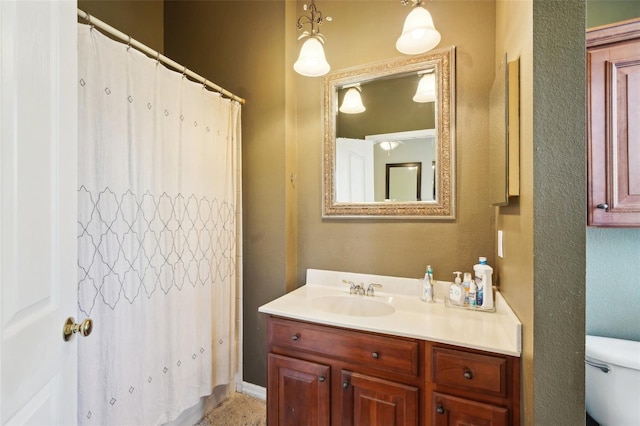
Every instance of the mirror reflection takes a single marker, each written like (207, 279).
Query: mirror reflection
(388, 148)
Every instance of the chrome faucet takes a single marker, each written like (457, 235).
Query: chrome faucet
(370, 288)
(355, 288)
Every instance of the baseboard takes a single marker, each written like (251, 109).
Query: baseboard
(253, 390)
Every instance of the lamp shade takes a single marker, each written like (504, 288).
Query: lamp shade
(418, 34)
(311, 61)
(352, 102)
(426, 89)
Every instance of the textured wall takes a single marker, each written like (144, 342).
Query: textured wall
(559, 102)
(142, 20)
(240, 45)
(363, 32)
(514, 36)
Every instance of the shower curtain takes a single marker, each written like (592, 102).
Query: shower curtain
(158, 236)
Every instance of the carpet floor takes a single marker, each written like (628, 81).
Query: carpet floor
(238, 410)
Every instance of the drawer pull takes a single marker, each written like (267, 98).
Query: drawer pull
(467, 374)
(375, 355)
(440, 409)
(345, 384)
(295, 337)
(321, 379)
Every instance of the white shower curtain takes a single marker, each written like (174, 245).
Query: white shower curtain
(158, 236)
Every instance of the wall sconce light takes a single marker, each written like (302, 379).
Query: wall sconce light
(311, 61)
(418, 34)
(352, 102)
(426, 87)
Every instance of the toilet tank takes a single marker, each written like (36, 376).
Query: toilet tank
(612, 380)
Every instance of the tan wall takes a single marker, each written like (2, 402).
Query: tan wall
(240, 45)
(366, 31)
(142, 20)
(514, 36)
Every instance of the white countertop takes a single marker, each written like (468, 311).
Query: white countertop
(499, 331)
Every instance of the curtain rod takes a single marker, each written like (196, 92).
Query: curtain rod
(93, 21)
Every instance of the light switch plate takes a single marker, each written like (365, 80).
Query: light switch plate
(500, 248)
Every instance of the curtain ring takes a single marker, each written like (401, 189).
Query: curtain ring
(157, 58)
(204, 84)
(184, 72)
(89, 21)
(129, 43)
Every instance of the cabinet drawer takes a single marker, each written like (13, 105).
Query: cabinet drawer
(469, 371)
(375, 351)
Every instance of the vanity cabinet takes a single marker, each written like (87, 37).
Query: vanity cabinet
(466, 386)
(326, 375)
(613, 128)
(320, 375)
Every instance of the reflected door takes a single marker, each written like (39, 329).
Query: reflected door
(354, 168)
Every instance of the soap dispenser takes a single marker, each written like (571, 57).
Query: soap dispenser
(456, 291)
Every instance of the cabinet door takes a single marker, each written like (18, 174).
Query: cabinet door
(447, 410)
(299, 392)
(613, 149)
(371, 401)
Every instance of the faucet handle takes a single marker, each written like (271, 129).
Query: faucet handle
(351, 284)
(370, 288)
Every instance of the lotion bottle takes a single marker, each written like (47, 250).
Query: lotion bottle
(472, 294)
(427, 285)
(487, 293)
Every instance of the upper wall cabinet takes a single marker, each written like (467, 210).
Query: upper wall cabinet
(613, 120)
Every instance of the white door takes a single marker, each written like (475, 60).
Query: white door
(38, 211)
(354, 170)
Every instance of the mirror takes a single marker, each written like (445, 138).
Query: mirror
(504, 134)
(395, 157)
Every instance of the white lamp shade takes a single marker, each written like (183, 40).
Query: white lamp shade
(311, 61)
(426, 89)
(418, 34)
(352, 102)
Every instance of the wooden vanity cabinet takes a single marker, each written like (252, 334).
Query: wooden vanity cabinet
(613, 127)
(321, 375)
(465, 386)
(328, 375)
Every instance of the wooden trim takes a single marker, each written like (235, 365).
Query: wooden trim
(613, 33)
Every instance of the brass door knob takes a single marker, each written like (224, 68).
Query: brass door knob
(70, 328)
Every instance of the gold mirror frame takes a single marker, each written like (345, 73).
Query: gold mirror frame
(444, 206)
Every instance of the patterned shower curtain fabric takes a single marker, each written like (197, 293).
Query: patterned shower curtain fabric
(157, 236)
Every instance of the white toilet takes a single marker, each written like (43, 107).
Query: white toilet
(612, 381)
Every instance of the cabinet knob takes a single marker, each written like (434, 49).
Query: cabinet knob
(375, 355)
(440, 409)
(603, 206)
(345, 384)
(295, 337)
(321, 379)
(467, 374)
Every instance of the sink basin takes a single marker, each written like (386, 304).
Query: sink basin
(352, 305)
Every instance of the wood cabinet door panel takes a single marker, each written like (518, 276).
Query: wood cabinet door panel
(299, 392)
(447, 410)
(377, 402)
(613, 149)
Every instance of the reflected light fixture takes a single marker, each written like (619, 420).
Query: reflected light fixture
(311, 61)
(389, 145)
(426, 87)
(352, 102)
(419, 35)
